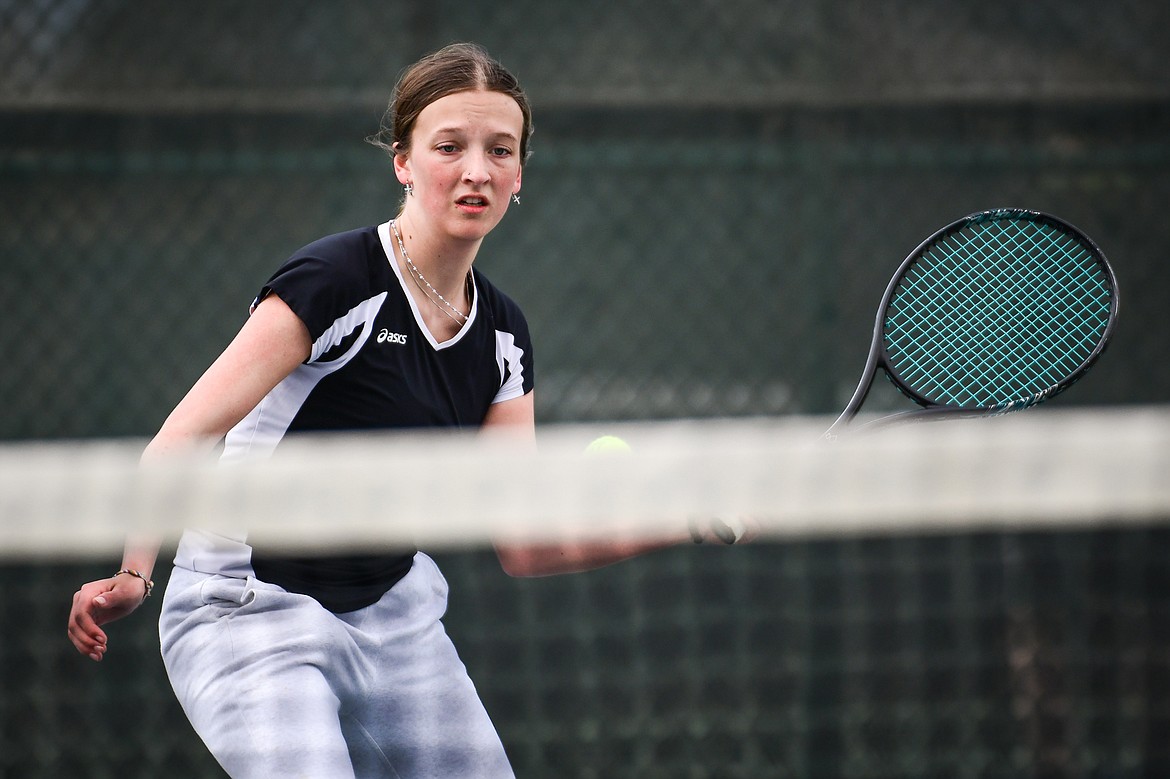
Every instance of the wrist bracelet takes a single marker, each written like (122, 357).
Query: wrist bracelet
(138, 575)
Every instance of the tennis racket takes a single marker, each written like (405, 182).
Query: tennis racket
(996, 312)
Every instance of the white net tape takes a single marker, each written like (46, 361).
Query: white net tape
(1043, 468)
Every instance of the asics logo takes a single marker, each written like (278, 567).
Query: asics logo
(394, 338)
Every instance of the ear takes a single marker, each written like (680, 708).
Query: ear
(519, 175)
(402, 169)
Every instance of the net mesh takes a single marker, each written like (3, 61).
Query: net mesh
(970, 598)
(997, 312)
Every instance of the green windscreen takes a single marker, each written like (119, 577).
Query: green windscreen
(995, 312)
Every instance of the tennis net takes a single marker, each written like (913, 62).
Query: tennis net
(1061, 469)
(978, 598)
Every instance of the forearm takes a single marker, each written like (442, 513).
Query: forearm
(141, 549)
(572, 557)
(141, 553)
(551, 559)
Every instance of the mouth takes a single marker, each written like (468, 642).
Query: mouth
(472, 201)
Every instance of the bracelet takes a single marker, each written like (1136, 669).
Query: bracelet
(138, 575)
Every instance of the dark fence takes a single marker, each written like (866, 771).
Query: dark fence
(718, 195)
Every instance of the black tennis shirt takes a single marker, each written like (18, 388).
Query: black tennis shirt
(374, 366)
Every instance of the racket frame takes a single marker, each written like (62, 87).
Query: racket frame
(879, 356)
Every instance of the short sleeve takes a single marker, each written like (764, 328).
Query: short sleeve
(320, 283)
(514, 356)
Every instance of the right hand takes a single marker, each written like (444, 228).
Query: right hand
(97, 603)
(731, 529)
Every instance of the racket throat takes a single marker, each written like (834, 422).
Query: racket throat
(859, 396)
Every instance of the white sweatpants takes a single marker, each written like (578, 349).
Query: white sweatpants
(277, 686)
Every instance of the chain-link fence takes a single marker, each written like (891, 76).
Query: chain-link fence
(719, 192)
(707, 224)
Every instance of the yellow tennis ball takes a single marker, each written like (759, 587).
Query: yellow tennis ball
(607, 444)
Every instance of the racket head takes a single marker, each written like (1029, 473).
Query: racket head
(997, 311)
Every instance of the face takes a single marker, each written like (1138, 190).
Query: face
(464, 163)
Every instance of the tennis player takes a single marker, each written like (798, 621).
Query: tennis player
(339, 666)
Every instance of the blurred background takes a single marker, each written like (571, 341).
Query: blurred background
(718, 196)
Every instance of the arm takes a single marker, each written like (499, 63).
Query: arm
(565, 557)
(569, 557)
(267, 349)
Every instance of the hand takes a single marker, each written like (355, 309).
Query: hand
(100, 602)
(731, 529)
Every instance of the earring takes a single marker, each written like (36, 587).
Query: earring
(408, 189)
(515, 198)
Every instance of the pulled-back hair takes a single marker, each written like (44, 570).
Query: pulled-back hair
(459, 67)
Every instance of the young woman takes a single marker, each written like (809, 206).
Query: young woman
(337, 666)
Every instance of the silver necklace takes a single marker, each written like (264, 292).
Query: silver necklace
(431, 293)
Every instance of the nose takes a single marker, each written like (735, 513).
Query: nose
(476, 171)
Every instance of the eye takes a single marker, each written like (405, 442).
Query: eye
(447, 148)
(501, 151)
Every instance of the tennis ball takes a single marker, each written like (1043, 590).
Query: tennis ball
(607, 444)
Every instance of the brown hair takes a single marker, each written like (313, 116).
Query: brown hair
(459, 67)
